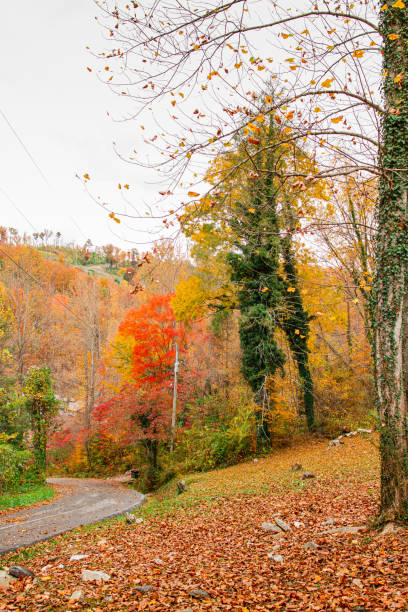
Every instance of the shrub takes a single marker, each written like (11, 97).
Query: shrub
(16, 468)
(205, 447)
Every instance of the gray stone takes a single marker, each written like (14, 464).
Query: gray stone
(199, 594)
(20, 572)
(76, 596)
(333, 443)
(298, 524)
(78, 557)
(271, 527)
(306, 475)
(130, 518)
(276, 558)
(310, 546)
(181, 487)
(94, 575)
(282, 524)
(345, 530)
(145, 588)
(5, 579)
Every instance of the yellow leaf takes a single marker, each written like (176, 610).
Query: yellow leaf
(327, 83)
(196, 47)
(358, 53)
(317, 109)
(291, 289)
(337, 119)
(286, 35)
(288, 130)
(193, 194)
(355, 301)
(393, 36)
(384, 7)
(238, 65)
(260, 118)
(87, 177)
(265, 289)
(398, 4)
(268, 99)
(251, 210)
(261, 67)
(173, 103)
(112, 216)
(398, 78)
(306, 32)
(254, 128)
(297, 332)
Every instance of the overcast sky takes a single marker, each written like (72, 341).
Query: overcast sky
(58, 109)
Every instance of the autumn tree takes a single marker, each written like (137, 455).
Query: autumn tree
(332, 89)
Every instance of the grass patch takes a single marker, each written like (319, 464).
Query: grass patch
(26, 496)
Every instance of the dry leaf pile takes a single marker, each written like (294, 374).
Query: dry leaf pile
(211, 539)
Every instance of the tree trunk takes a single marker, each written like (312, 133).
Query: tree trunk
(390, 296)
(296, 327)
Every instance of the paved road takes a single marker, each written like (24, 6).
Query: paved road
(82, 501)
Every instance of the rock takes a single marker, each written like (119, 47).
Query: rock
(357, 582)
(306, 475)
(310, 546)
(139, 520)
(333, 443)
(145, 588)
(46, 568)
(388, 529)
(367, 431)
(20, 572)
(94, 575)
(130, 518)
(158, 561)
(330, 521)
(275, 557)
(350, 434)
(297, 524)
(345, 530)
(5, 579)
(296, 467)
(199, 594)
(282, 525)
(76, 596)
(271, 527)
(78, 557)
(181, 486)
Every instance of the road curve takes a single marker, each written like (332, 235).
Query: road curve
(83, 501)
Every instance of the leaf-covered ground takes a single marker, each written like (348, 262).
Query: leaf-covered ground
(211, 538)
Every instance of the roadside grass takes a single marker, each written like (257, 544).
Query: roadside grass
(26, 496)
(357, 459)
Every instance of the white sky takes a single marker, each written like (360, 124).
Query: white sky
(59, 110)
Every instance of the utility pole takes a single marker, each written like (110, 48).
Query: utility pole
(173, 413)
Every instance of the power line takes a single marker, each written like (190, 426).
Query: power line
(17, 208)
(25, 148)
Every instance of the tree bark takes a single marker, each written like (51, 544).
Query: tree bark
(390, 296)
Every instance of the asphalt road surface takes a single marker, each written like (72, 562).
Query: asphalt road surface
(82, 501)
